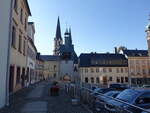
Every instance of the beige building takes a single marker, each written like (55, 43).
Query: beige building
(103, 69)
(138, 66)
(51, 66)
(18, 57)
(39, 68)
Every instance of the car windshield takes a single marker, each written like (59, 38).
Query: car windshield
(109, 93)
(128, 95)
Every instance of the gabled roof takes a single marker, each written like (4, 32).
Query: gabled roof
(136, 53)
(49, 57)
(102, 59)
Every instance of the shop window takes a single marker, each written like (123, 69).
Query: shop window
(18, 75)
(92, 80)
(126, 79)
(86, 80)
(110, 78)
(118, 80)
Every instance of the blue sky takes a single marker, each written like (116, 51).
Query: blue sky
(97, 25)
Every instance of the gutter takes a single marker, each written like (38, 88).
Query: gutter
(8, 52)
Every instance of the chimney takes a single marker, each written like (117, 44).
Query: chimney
(116, 51)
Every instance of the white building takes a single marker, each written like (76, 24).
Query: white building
(66, 69)
(31, 55)
(5, 25)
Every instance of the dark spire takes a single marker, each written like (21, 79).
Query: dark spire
(70, 35)
(58, 30)
(70, 32)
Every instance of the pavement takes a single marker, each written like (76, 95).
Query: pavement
(36, 99)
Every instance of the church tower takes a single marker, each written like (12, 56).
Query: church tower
(68, 38)
(58, 39)
(148, 36)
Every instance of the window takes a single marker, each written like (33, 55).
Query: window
(13, 43)
(126, 69)
(144, 71)
(126, 79)
(92, 80)
(16, 5)
(97, 70)
(92, 70)
(104, 70)
(110, 78)
(121, 70)
(117, 70)
(86, 70)
(122, 79)
(149, 71)
(144, 99)
(86, 80)
(25, 24)
(118, 79)
(18, 75)
(110, 70)
(21, 15)
(97, 80)
(54, 67)
(20, 44)
(24, 47)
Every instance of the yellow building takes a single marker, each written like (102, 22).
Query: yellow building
(18, 53)
(51, 66)
(138, 66)
(103, 69)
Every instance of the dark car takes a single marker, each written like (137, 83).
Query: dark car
(137, 97)
(102, 100)
(101, 91)
(118, 86)
(95, 93)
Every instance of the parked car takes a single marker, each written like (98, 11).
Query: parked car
(95, 93)
(118, 86)
(146, 86)
(102, 100)
(137, 97)
(147, 110)
(100, 90)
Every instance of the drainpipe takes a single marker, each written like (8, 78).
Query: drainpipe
(8, 51)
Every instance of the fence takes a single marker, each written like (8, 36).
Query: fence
(84, 95)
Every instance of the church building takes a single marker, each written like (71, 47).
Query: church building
(66, 57)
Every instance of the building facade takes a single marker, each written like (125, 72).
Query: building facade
(148, 36)
(31, 55)
(39, 68)
(5, 29)
(51, 66)
(138, 66)
(18, 53)
(103, 69)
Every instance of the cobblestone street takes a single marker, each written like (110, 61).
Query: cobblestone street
(36, 99)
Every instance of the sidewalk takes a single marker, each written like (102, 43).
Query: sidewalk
(36, 99)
